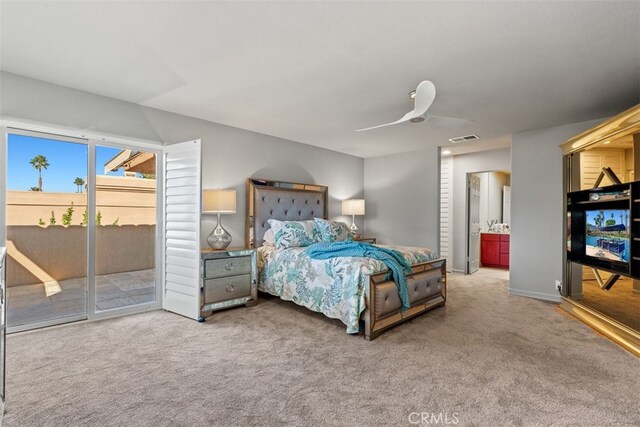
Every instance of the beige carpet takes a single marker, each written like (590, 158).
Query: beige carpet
(490, 358)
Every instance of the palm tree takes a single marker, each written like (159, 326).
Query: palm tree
(79, 182)
(39, 162)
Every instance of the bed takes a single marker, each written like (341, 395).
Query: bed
(357, 291)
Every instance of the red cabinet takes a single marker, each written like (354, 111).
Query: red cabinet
(494, 250)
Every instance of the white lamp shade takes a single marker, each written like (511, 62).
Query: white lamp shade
(353, 207)
(219, 201)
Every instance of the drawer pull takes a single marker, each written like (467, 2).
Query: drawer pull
(230, 288)
(228, 266)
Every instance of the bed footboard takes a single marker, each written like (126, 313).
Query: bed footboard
(427, 286)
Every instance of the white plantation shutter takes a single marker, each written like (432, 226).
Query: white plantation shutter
(446, 174)
(592, 162)
(182, 193)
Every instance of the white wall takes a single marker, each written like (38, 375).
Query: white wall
(463, 164)
(401, 190)
(35, 100)
(402, 198)
(537, 201)
(230, 155)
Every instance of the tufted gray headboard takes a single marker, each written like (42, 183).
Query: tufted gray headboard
(284, 201)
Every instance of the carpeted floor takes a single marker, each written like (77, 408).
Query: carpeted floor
(486, 359)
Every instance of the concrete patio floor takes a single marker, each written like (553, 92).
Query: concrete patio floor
(30, 303)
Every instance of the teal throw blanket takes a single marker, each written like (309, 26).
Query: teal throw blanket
(393, 260)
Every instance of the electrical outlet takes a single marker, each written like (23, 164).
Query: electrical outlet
(559, 286)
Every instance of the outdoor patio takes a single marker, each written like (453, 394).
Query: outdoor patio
(30, 303)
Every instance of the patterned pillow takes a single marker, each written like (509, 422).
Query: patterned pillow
(292, 234)
(333, 231)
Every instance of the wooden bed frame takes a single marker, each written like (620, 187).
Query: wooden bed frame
(288, 201)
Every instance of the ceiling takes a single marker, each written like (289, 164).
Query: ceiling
(315, 72)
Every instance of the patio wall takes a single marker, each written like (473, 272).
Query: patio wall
(127, 199)
(60, 252)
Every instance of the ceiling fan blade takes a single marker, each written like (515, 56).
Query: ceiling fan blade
(448, 122)
(411, 114)
(425, 94)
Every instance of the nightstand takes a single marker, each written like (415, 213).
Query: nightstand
(228, 277)
(371, 240)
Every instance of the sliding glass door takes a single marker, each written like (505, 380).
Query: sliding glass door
(46, 242)
(126, 212)
(80, 229)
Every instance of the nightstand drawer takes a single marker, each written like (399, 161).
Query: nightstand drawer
(227, 288)
(227, 267)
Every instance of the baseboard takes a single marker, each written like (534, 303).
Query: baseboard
(536, 295)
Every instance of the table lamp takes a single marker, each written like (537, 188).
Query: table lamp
(353, 207)
(219, 202)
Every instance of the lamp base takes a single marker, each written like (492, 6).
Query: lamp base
(219, 237)
(354, 230)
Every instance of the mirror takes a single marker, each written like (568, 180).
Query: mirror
(620, 302)
(495, 201)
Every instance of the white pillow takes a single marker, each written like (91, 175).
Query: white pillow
(269, 239)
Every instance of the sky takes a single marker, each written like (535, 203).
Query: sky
(620, 216)
(67, 161)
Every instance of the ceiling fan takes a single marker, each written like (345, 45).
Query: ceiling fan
(422, 99)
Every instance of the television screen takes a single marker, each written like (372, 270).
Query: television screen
(607, 235)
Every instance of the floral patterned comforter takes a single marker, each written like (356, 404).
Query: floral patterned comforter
(334, 287)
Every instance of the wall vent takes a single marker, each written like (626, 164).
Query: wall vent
(464, 138)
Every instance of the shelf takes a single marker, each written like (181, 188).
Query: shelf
(588, 202)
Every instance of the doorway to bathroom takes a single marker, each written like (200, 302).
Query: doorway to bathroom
(488, 218)
(457, 165)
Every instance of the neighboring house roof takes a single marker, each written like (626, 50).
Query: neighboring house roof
(132, 161)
